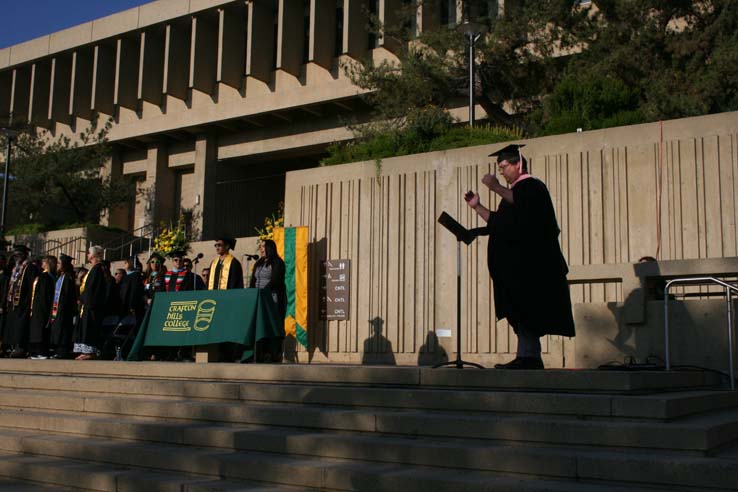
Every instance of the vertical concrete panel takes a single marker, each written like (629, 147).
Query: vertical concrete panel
(103, 80)
(151, 66)
(713, 205)
(117, 216)
(389, 17)
(38, 108)
(690, 212)
(597, 201)
(128, 55)
(408, 298)
(160, 182)
(177, 60)
(727, 183)
(260, 48)
(322, 32)
(204, 53)
(232, 46)
(701, 199)
(639, 187)
(206, 160)
(355, 36)
(80, 94)
(6, 92)
(21, 94)
(290, 36)
(428, 15)
(59, 93)
(364, 268)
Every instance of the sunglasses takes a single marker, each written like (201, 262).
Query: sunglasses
(219, 245)
(156, 262)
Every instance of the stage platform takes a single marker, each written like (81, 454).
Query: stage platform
(152, 426)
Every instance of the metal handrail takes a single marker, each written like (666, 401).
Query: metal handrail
(729, 289)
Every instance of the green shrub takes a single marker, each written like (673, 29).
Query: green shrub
(423, 135)
(589, 102)
(27, 229)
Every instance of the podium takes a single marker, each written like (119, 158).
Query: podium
(462, 234)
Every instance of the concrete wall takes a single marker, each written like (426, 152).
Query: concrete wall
(605, 187)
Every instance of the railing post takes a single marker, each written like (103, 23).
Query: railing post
(729, 298)
(666, 326)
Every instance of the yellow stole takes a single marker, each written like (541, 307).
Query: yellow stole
(82, 289)
(223, 283)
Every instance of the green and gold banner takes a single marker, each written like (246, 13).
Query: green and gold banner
(202, 317)
(292, 246)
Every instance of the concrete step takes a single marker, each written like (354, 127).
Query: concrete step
(553, 380)
(9, 485)
(68, 475)
(701, 433)
(662, 406)
(116, 465)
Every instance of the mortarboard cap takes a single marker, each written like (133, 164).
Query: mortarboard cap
(21, 248)
(230, 241)
(508, 152)
(176, 254)
(65, 258)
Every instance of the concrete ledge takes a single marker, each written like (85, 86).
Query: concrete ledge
(553, 379)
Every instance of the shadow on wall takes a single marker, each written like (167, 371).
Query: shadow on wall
(317, 328)
(431, 352)
(377, 349)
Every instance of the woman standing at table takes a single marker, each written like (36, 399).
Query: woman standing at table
(268, 274)
(154, 277)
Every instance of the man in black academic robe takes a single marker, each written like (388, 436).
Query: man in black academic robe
(43, 300)
(63, 310)
(93, 299)
(525, 261)
(18, 302)
(4, 281)
(132, 290)
(225, 270)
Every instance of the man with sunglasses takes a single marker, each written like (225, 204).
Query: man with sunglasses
(225, 270)
(525, 261)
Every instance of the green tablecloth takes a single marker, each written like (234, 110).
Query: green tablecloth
(202, 317)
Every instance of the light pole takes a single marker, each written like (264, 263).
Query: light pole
(472, 31)
(9, 136)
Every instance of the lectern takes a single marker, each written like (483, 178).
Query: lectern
(462, 234)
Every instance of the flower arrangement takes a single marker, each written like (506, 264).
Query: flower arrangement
(172, 238)
(274, 220)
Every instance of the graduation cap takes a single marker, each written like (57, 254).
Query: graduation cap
(65, 258)
(21, 248)
(230, 241)
(508, 152)
(176, 254)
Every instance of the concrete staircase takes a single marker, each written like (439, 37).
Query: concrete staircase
(67, 425)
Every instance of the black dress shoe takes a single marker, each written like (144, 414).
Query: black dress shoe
(522, 363)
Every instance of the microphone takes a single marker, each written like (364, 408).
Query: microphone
(252, 257)
(197, 258)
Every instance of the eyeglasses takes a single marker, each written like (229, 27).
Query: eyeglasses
(219, 245)
(176, 259)
(155, 262)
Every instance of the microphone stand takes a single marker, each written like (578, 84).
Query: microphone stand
(462, 234)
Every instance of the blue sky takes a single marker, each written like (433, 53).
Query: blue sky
(21, 20)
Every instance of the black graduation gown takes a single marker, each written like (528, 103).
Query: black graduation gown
(94, 307)
(62, 329)
(43, 300)
(525, 262)
(235, 275)
(4, 280)
(18, 317)
(132, 295)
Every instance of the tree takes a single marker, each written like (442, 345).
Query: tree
(55, 181)
(644, 59)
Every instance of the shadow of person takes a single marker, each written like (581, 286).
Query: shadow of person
(289, 347)
(431, 352)
(377, 349)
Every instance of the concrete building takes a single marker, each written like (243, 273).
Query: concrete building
(212, 101)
